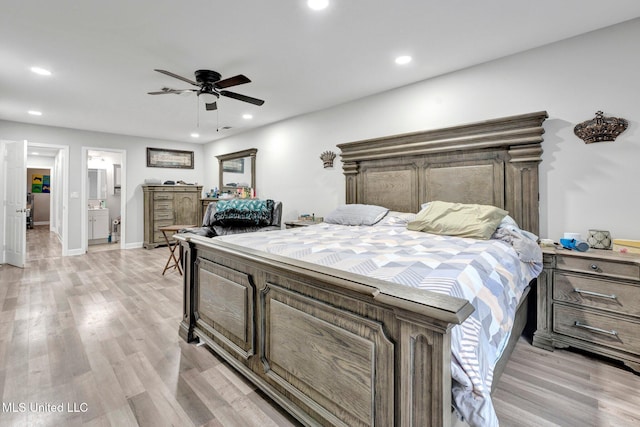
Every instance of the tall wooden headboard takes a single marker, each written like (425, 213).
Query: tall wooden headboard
(494, 162)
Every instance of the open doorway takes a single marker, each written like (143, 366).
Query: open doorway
(47, 186)
(105, 201)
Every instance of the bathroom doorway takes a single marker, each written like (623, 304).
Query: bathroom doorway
(105, 199)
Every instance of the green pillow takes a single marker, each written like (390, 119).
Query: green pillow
(458, 219)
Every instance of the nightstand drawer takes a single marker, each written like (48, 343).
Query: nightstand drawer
(597, 292)
(597, 328)
(599, 267)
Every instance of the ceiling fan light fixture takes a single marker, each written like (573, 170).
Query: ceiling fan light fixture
(208, 97)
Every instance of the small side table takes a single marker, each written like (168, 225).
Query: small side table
(302, 223)
(173, 262)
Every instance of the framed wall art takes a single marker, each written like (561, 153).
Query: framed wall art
(165, 158)
(233, 166)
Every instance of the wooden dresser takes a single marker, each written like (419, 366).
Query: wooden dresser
(166, 205)
(591, 301)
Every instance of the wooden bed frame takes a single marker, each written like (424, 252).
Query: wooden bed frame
(340, 349)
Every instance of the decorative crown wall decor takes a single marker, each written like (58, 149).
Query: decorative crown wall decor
(327, 158)
(600, 128)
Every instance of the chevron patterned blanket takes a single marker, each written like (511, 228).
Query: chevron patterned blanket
(488, 273)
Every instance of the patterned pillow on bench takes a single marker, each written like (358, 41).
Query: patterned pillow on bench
(243, 212)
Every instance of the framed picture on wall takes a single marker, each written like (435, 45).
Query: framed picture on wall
(165, 158)
(233, 166)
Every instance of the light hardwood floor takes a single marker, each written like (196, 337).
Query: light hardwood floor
(98, 334)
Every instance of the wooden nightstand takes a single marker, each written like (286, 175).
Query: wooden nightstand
(591, 301)
(302, 223)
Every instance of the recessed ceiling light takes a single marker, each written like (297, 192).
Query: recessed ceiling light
(317, 4)
(35, 113)
(35, 154)
(247, 116)
(402, 60)
(41, 71)
(195, 135)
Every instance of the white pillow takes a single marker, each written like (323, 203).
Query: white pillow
(394, 218)
(355, 214)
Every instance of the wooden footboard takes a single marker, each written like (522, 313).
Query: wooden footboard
(332, 348)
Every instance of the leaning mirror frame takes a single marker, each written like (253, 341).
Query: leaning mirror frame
(250, 153)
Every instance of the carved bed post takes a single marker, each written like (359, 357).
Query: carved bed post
(350, 171)
(424, 391)
(522, 185)
(189, 255)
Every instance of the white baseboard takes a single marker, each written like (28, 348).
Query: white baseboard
(135, 245)
(75, 252)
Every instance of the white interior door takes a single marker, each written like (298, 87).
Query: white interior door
(16, 191)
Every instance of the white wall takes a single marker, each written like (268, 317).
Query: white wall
(135, 175)
(582, 186)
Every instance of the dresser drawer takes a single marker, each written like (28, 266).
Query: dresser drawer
(164, 214)
(157, 234)
(597, 292)
(599, 267)
(163, 205)
(162, 196)
(597, 328)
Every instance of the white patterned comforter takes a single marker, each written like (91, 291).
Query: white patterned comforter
(488, 273)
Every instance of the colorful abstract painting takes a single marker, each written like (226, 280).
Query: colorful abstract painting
(40, 183)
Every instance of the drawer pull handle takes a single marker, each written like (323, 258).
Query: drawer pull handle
(594, 267)
(594, 329)
(595, 294)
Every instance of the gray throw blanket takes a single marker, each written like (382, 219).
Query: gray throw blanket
(528, 250)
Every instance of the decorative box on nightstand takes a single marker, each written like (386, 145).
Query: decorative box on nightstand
(591, 301)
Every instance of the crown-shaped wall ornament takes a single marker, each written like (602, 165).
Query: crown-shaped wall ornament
(600, 128)
(327, 158)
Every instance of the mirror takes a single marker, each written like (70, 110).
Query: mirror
(116, 179)
(237, 170)
(97, 184)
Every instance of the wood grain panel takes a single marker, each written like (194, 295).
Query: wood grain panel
(596, 266)
(480, 184)
(601, 293)
(622, 333)
(335, 358)
(395, 187)
(224, 302)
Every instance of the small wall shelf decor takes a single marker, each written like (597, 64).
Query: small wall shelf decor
(600, 128)
(327, 158)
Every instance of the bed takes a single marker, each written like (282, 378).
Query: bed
(338, 348)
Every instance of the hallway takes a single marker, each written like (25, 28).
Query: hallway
(42, 243)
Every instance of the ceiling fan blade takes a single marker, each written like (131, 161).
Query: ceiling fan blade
(166, 90)
(240, 97)
(211, 106)
(170, 74)
(232, 81)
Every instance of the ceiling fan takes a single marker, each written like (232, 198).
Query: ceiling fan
(210, 87)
